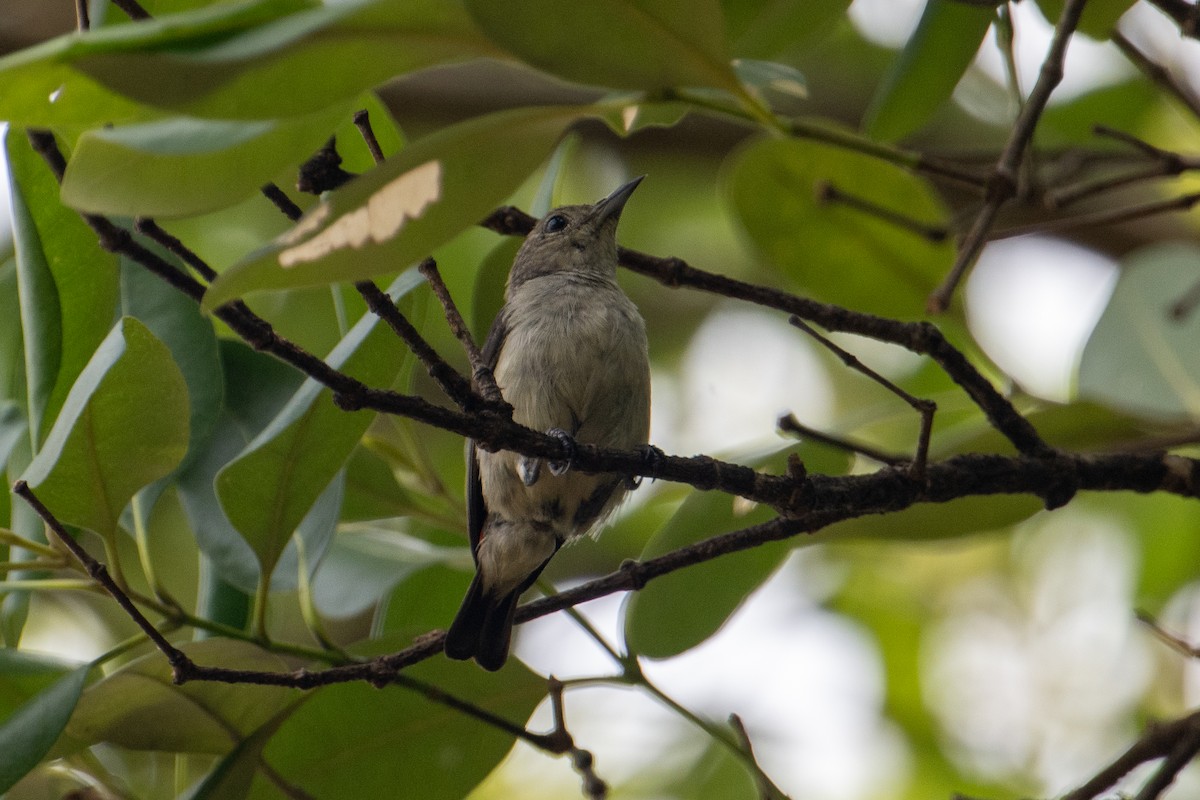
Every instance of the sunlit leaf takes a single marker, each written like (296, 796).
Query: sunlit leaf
(248, 60)
(830, 250)
(623, 44)
(767, 29)
(176, 320)
(928, 68)
(1139, 358)
(123, 425)
(182, 166)
(401, 211)
(68, 285)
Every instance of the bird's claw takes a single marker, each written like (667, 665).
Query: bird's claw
(560, 467)
(651, 458)
(530, 469)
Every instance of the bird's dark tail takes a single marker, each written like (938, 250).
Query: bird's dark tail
(483, 627)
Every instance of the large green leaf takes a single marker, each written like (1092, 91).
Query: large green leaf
(928, 68)
(68, 285)
(248, 60)
(30, 731)
(682, 609)
(431, 751)
(123, 425)
(768, 28)
(139, 707)
(828, 249)
(1139, 358)
(400, 212)
(257, 387)
(233, 775)
(268, 489)
(182, 166)
(624, 44)
(176, 320)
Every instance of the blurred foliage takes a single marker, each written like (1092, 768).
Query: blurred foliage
(275, 531)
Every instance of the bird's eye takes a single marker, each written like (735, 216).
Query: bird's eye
(555, 224)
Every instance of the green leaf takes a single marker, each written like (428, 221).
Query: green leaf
(68, 285)
(403, 210)
(31, 730)
(248, 60)
(257, 387)
(768, 29)
(176, 320)
(623, 44)
(772, 83)
(268, 489)
(1139, 359)
(366, 561)
(140, 708)
(829, 250)
(928, 68)
(182, 166)
(956, 519)
(12, 344)
(682, 609)
(124, 424)
(432, 751)
(1099, 16)
(233, 775)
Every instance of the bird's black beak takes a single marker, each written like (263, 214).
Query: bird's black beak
(611, 206)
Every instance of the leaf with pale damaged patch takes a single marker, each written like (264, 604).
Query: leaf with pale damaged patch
(413, 203)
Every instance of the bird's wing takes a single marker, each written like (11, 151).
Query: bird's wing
(476, 505)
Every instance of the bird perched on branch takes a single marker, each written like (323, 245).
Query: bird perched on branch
(568, 350)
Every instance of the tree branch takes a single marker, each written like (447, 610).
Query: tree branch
(1002, 186)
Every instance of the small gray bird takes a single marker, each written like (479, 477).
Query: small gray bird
(568, 350)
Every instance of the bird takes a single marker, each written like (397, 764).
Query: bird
(568, 351)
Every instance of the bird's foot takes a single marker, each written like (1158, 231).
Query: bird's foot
(530, 469)
(651, 457)
(559, 467)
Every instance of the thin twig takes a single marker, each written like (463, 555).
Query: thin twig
(97, 572)
(362, 121)
(150, 228)
(282, 202)
(559, 740)
(1160, 740)
(1184, 751)
(1157, 73)
(926, 408)
(1175, 642)
(789, 424)
(1002, 185)
(456, 387)
(1103, 217)
(766, 790)
(829, 193)
(481, 373)
(82, 21)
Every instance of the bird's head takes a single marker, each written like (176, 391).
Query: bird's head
(574, 239)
